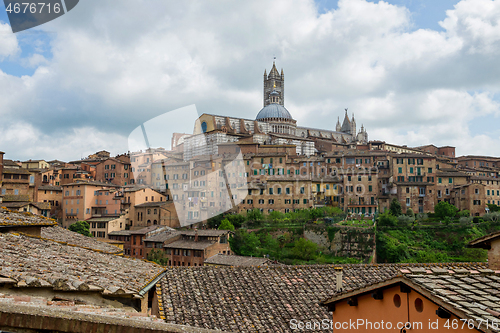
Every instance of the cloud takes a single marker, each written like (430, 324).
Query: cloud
(115, 67)
(8, 42)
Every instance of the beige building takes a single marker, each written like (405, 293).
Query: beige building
(84, 200)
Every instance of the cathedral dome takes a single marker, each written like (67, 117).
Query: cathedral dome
(273, 111)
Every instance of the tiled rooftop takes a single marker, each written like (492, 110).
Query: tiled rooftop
(265, 298)
(189, 245)
(37, 262)
(205, 232)
(475, 293)
(65, 236)
(11, 218)
(233, 260)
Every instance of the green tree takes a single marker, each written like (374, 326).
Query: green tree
(387, 219)
(444, 209)
(464, 213)
(244, 243)
(410, 213)
(81, 227)
(255, 215)
(215, 221)
(269, 243)
(395, 208)
(250, 245)
(276, 216)
(226, 225)
(493, 208)
(305, 249)
(158, 256)
(236, 219)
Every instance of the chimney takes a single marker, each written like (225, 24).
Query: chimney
(338, 271)
(195, 234)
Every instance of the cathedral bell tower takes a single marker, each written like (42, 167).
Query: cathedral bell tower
(274, 82)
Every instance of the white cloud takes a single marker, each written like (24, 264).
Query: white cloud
(115, 67)
(8, 42)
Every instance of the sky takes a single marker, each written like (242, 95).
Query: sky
(413, 72)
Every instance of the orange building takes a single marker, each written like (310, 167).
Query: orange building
(421, 300)
(84, 200)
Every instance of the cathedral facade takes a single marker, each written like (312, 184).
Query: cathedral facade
(273, 125)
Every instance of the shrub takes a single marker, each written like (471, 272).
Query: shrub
(81, 227)
(236, 219)
(492, 217)
(404, 220)
(304, 249)
(255, 215)
(463, 213)
(409, 212)
(276, 216)
(386, 219)
(226, 225)
(395, 208)
(465, 220)
(444, 209)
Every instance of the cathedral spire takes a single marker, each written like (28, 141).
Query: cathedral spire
(274, 82)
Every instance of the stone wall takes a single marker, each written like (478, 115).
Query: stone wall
(343, 241)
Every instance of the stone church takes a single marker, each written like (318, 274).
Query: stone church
(273, 125)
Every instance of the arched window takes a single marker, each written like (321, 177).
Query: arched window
(204, 127)
(155, 222)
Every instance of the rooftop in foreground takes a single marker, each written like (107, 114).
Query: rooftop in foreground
(265, 298)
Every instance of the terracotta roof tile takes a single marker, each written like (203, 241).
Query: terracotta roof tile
(11, 218)
(37, 262)
(59, 234)
(264, 298)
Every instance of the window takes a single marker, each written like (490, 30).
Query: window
(271, 201)
(261, 201)
(400, 170)
(271, 190)
(450, 180)
(369, 188)
(440, 180)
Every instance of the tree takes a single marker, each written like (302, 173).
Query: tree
(158, 256)
(81, 227)
(236, 219)
(255, 215)
(395, 208)
(226, 225)
(387, 219)
(244, 243)
(276, 215)
(215, 221)
(305, 249)
(444, 209)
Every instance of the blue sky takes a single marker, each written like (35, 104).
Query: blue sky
(425, 13)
